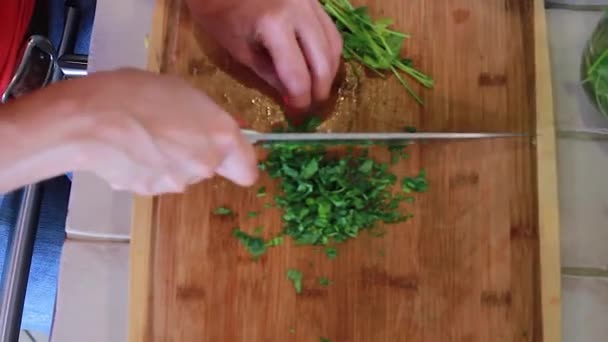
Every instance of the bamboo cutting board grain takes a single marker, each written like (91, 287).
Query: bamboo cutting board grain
(480, 259)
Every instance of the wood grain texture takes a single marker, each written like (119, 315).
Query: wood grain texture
(466, 268)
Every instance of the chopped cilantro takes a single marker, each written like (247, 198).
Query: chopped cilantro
(324, 281)
(296, 278)
(415, 184)
(331, 252)
(253, 244)
(223, 211)
(261, 191)
(275, 241)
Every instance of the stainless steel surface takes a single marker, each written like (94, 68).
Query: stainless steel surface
(73, 65)
(17, 264)
(254, 136)
(68, 39)
(21, 81)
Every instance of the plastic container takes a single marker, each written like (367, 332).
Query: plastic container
(594, 67)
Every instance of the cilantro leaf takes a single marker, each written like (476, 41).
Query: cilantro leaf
(261, 191)
(296, 278)
(323, 281)
(223, 211)
(331, 252)
(253, 244)
(275, 241)
(415, 184)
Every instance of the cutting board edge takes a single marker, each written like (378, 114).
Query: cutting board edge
(548, 197)
(141, 245)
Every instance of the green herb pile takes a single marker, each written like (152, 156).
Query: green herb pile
(594, 67)
(373, 44)
(329, 198)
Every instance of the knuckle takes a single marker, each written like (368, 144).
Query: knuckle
(269, 23)
(226, 136)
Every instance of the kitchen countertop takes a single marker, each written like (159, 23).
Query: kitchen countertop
(102, 216)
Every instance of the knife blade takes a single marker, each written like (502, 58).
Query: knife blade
(255, 137)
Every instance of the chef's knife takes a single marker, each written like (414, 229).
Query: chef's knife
(255, 137)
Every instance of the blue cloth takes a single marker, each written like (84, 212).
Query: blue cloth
(57, 19)
(42, 285)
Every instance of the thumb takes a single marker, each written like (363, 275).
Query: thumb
(240, 165)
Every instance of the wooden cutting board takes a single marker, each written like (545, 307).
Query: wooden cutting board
(478, 262)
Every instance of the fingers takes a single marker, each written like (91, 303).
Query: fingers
(262, 65)
(226, 153)
(306, 55)
(240, 165)
(315, 46)
(289, 62)
(333, 36)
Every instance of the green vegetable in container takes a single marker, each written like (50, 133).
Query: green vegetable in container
(594, 68)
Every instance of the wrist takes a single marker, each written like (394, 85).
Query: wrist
(208, 7)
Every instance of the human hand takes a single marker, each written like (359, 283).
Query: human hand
(292, 44)
(155, 134)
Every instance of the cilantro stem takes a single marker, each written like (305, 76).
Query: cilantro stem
(373, 44)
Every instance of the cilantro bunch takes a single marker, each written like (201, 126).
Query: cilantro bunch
(373, 44)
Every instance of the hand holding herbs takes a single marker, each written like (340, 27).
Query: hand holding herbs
(291, 44)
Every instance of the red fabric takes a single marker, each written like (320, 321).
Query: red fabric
(15, 16)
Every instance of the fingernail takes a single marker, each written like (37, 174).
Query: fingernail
(240, 121)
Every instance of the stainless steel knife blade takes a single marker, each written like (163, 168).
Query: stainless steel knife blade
(256, 137)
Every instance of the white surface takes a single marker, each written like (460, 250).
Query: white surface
(585, 309)
(582, 164)
(119, 34)
(583, 168)
(92, 297)
(97, 212)
(93, 278)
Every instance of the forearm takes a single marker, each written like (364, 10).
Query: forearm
(41, 138)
